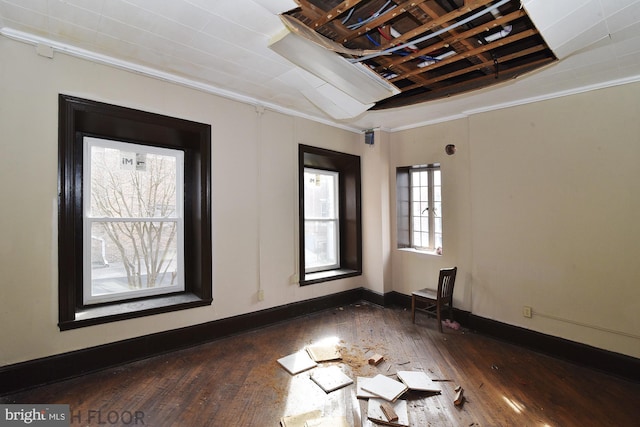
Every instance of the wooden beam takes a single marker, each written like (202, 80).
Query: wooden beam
(457, 37)
(334, 13)
(485, 48)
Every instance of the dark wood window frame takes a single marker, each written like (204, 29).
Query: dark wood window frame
(348, 167)
(81, 117)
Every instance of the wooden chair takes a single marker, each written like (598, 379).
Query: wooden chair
(436, 300)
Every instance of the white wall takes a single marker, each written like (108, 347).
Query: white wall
(553, 194)
(254, 174)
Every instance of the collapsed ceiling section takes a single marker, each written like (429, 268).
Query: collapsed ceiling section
(428, 49)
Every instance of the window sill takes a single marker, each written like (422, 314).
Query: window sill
(88, 316)
(417, 251)
(325, 276)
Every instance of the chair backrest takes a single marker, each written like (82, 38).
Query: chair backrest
(446, 280)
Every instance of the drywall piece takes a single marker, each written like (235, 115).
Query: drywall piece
(299, 420)
(385, 387)
(417, 380)
(377, 415)
(360, 392)
(357, 80)
(330, 378)
(297, 362)
(324, 352)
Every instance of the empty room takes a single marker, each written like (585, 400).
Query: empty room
(320, 212)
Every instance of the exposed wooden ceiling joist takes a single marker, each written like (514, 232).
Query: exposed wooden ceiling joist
(448, 46)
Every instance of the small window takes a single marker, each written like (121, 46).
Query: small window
(330, 215)
(419, 208)
(321, 220)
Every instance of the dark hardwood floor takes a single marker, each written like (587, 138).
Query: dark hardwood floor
(237, 381)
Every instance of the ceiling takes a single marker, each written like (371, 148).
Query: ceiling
(230, 48)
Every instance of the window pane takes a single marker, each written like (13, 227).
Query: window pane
(437, 209)
(417, 240)
(438, 238)
(437, 196)
(416, 194)
(424, 194)
(436, 177)
(128, 184)
(131, 256)
(320, 244)
(417, 223)
(131, 251)
(320, 188)
(424, 224)
(424, 209)
(438, 225)
(416, 209)
(424, 178)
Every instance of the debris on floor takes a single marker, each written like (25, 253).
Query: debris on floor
(451, 324)
(377, 414)
(459, 400)
(376, 359)
(383, 391)
(313, 419)
(324, 352)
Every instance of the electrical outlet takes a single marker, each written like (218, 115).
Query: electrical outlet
(261, 295)
(527, 311)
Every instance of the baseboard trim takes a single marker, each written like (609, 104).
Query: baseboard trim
(33, 373)
(617, 364)
(46, 370)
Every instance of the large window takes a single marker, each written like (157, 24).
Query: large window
(133, 221)
(330, 223)
(134, 232)
(419, 208)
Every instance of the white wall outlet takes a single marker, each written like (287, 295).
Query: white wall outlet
(260, 295)
(527, 311)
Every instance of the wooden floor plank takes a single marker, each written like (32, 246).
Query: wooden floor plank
(236, 381)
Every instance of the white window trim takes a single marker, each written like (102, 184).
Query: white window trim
(179, 286)
(335, 220)
(431, 249)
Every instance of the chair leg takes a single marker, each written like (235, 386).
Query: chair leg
(439, 316)
(413, 309)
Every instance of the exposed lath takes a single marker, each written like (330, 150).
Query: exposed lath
(454, 46)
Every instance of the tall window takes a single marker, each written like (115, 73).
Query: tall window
(330, 215)
(321, 215)
(134, 223)
(134, 227)
(419, 207)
